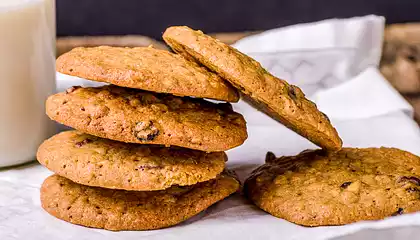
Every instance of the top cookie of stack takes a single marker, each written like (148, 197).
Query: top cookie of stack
(148, 69)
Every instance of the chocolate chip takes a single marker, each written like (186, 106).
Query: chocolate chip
(148, 167)
(145, 131)
(345, 185)
(413, 180)
(86, 141)
(292, 93)
(269, 157)
(411, 189)
(398, 212)
(72, 89)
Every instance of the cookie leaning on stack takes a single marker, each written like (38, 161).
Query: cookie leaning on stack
(284, 102)
(139, 160)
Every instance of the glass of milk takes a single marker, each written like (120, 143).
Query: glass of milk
(27, 77)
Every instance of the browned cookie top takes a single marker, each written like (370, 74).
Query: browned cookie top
(285, 103)
(148, 69)
(316, 188)
(100, 162)
(131, 210)
(136, 116)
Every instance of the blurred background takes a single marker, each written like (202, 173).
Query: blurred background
(141, 22)
(151, 17)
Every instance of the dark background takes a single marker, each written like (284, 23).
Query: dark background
(151, 17)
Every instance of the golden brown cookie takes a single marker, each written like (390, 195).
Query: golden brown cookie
(100, 162)
(146, 68)
(136, 116)
(285, 103)
(131, 210)
(316, 188)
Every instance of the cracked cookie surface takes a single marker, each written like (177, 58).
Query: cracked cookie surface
(146, 68)
(131, 210)
(316, 188)
(284, 102)
(100, 162)
(137, 116)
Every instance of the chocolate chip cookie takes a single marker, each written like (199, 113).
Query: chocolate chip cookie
(95, 161)
(131, 210)
(146, 68)
(137, 116)
(318, 188)
(280, 100)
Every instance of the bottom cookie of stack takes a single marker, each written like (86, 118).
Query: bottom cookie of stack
(131, 210)
(318, 188)
(107, 184)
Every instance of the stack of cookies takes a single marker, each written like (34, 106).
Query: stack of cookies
(145, 154)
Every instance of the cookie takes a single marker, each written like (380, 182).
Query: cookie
(284, 102)
(131, 210)
(136, 116)
(146, 68)
(316, 188)
(100, 162)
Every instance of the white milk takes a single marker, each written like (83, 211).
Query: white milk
(27, 77)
